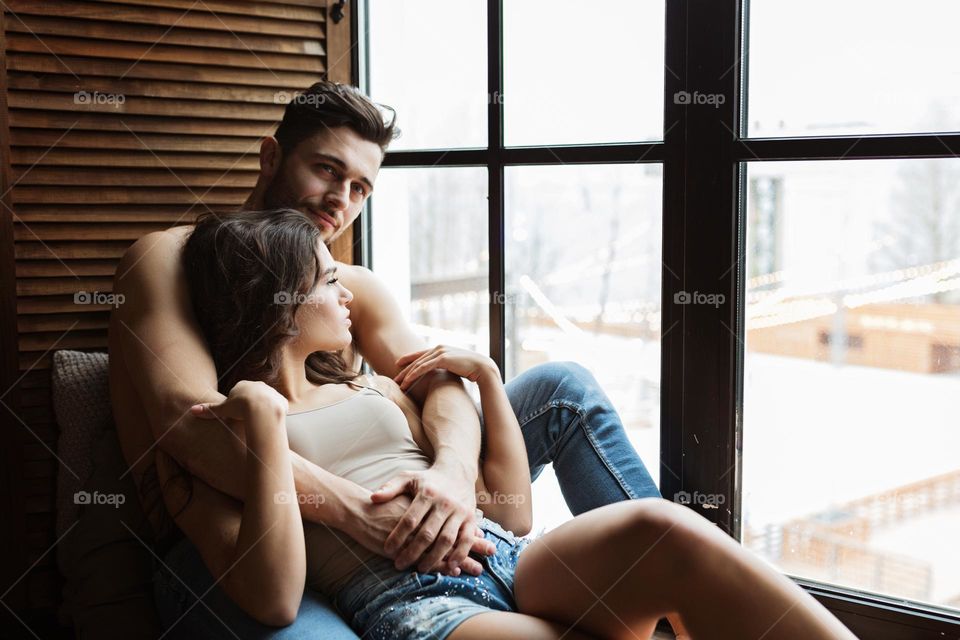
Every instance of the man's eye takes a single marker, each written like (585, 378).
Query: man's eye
(359, 189)
(328, 169)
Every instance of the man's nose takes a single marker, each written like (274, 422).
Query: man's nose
(338, 195)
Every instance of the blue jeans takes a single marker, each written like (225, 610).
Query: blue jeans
(566, 419)
(385, 604)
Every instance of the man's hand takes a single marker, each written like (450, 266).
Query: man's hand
(372, 523)
(439, 527)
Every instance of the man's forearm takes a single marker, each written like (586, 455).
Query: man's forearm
(325, 498)
(212, 452)
(452, 425)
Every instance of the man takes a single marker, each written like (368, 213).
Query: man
(324, 160)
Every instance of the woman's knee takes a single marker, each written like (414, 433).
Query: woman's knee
(672, 533)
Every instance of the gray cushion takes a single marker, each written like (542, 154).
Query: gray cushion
(81, 402)
(107, 567)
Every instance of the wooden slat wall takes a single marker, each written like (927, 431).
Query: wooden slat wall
(83, 180)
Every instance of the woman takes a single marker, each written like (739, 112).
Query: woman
(276, 319)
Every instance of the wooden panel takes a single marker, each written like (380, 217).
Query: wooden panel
(72, 212)
(147, 88)
(101, 158)
(68, 102)
(180, 95)
(83, 67)
(65, 195)
(195, 19)
(132, 178)
(151, 52)
(49, 141)
(45, 25)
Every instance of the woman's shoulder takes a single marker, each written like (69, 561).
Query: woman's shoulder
(384, 384)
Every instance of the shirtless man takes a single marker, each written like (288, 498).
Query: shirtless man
(323, 160)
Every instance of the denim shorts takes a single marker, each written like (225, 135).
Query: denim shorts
(382, 603)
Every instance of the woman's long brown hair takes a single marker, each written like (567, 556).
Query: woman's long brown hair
(247, 273)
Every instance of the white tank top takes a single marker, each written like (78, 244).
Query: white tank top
(363, 438)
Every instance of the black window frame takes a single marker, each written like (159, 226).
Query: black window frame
(703, 152)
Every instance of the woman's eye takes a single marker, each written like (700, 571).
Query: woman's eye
(334, 281)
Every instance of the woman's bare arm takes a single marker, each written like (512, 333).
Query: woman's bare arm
(503, 484)
(256, 550)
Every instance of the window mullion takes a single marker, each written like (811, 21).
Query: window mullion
(701, 333)
(495, 190)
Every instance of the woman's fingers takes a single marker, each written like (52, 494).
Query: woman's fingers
(410, 357)
(206, 410)
(419, 369)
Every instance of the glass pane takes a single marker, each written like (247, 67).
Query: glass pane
(576, 72)
(430, 246)
(583, 285)
(854, 67)
(428, 60)
(852, 374)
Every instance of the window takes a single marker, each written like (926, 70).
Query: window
(430, 247)
(877, 67)
(849, 469)
(779, 294)
(571, 268)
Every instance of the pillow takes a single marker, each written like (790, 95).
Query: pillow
(104, 556)
(81, 403)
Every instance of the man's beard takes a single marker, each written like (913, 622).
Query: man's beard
(279, 196)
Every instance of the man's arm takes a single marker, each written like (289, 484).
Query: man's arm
(171, 368)
(444, 497)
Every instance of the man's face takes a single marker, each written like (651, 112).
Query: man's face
(328, 176)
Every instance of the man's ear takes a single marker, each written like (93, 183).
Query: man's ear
(271, 156)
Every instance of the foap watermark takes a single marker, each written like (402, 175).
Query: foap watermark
(309, 99)
(705, 500)
(498, 297)
(98, 297)
(686, 297)
(501, 498)
(712, 99)
(285, 497)
(87, 98)
(287, 297)
(112, 499)
(495, 98)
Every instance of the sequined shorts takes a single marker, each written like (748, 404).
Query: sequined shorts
(383, 603)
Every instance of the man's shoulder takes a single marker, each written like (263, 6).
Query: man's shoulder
(360, 280)
(345, 269)
(156, 245)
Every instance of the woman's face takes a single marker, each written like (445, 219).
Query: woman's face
(324, 317)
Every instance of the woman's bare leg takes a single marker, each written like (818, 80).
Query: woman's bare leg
(614, 571)
(506, 626)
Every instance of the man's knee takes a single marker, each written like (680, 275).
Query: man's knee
(567, 379)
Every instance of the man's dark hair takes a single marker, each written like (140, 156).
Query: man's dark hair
(329, 104)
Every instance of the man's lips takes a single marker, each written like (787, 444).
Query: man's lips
(326, 217)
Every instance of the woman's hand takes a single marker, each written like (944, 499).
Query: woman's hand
(462, 362)
(246, 398)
